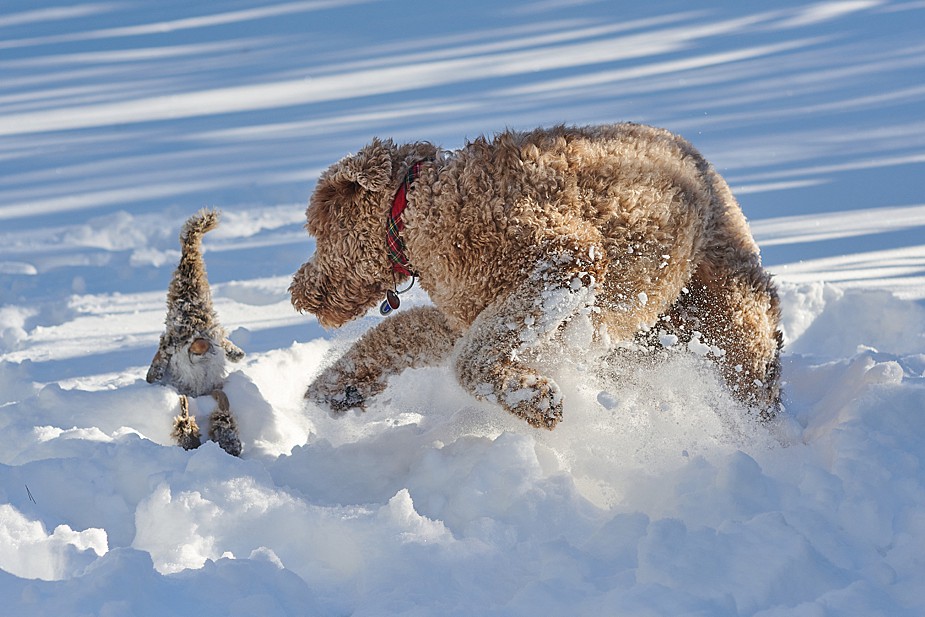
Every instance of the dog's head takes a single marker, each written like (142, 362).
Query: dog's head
(347, 216)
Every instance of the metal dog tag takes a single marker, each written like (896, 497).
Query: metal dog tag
(390, 303)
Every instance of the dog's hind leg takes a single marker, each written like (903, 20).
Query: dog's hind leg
(489, 360)
(732, 305)
(414, 338)
(734, 310)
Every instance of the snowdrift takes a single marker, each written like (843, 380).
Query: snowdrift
(655, 496)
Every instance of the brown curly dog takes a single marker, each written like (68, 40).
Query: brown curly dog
(514, 237)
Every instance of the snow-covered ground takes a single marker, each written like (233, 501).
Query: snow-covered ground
(654, 497)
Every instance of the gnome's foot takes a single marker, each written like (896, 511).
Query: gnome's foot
(185, 429)
(222, 427)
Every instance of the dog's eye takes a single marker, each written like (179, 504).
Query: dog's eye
(200, 346)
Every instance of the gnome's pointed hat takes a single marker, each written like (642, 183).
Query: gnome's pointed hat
(192, 324)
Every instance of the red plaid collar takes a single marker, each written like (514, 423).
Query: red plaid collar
(396, 245)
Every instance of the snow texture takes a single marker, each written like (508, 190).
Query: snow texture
(656, 495)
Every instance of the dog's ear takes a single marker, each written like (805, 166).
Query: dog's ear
(345, 184)
(370, 168)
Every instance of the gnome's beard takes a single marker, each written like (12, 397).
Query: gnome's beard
(197, 367)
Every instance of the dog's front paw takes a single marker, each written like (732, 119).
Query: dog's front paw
(536, 399)
(337, 395)
(339, 401)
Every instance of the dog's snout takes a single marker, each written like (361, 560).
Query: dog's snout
(306, 290)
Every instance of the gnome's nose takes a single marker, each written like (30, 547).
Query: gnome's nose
(200, 346)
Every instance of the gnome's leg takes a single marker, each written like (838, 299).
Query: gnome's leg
(223, 429)
(185, 429)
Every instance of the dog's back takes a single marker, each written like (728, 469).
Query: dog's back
(675, 239)
(643, 194)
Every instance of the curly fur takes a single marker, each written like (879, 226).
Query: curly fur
(194, 346)
(513, 236)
